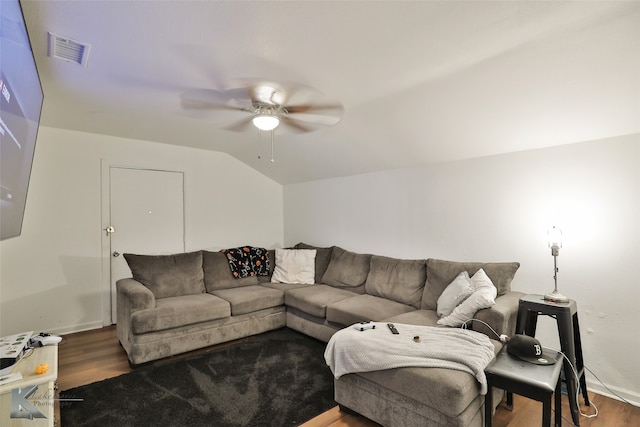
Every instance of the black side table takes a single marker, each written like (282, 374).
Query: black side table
(537, 382)
(566, 315)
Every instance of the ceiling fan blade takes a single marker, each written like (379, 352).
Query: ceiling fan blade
(323, 116)
(311, 108)
(191, 104)
(239, 94)
(210, 99)
(240, 126)
(296, 126)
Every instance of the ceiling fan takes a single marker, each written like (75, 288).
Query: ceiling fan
(268, 105)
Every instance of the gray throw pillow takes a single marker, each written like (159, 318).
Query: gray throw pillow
(168, 275)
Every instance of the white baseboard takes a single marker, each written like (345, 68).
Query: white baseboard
(628, 395)
(77, 328)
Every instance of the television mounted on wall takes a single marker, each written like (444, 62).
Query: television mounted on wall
(21, 100)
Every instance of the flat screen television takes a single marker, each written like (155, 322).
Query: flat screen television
(21, 99)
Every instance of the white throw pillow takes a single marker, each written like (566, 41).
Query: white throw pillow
(484, 296)
(295, 266)
(481, 280)
(456, 292)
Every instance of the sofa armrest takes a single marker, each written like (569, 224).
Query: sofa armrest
(501, 317)
(131, 296)
(134, 295)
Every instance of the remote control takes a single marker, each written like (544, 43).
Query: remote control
(393, 329)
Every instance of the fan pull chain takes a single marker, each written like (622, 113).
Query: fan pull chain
(260, 145)
(272, 159)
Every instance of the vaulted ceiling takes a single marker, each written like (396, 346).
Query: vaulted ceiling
(420, 81)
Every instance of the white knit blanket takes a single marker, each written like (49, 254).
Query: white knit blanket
(350, 350)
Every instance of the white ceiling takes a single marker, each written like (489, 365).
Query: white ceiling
(421, 82)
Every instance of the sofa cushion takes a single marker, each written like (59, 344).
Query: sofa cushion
(315, 299)
(247, 299)
(217, 273)
(168, 275)
(440, 273)
(284, 287)
(174, 312)
(399, 280)
(362, 308)
(295, 266)
(417, 317)
(347, 270)
(323, 256)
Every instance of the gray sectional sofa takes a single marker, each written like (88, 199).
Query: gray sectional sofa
(177, 303)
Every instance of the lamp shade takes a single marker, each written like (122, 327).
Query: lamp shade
(266, 122)
(555, 237)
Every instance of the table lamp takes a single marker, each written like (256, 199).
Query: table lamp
(555, 243)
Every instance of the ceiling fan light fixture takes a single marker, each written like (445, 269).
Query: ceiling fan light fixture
(266, 122)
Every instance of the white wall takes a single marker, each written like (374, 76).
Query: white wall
(490, 209)
(498, 209)
(51, 275)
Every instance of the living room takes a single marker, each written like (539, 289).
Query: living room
(485, 207)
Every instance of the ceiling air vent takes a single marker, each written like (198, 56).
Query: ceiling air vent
(68, 50)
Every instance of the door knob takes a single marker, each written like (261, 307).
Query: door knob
(116, 254)
(110, 230)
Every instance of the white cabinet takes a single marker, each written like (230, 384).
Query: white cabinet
(41, 398)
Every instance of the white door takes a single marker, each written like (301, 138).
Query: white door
(146, 210)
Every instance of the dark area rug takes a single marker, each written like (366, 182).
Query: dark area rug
(278, 378)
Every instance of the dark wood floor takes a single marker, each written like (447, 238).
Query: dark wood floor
(90, 356)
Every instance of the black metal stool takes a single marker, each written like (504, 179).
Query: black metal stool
(526, 379)
(566, 315)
